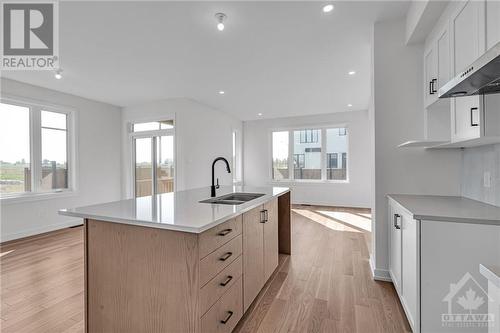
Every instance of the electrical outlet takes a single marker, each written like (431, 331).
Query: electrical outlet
(487, 179)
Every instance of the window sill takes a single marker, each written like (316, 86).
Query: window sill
(308, 181)
(29, 197)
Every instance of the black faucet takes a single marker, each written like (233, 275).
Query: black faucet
(213, 187)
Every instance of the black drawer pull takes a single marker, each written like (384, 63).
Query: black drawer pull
(229, 278)
(229, 315)
(474, 117)
(263, 216)
(396, 217)
(225, 232)
(226, 256)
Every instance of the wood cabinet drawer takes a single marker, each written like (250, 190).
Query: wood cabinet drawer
(225, 314)
(216, 261)
(219, 235)
(222, 282)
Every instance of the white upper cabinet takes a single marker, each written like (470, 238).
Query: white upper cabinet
(437, 66)
(430, 64)
(468, 30)
(492, 23)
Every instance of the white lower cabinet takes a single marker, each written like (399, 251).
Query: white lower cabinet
(434, 266)
(403, 263)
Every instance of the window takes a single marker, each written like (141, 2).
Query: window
(336, 146)
(236, 157)
(152, 126)
(153, 157)
(309, 136)
(310, 148)
(280, 156)
(331, 160)
(54, 151)
(15, 166)
(35, 149)
(298, 161)
(313, 154)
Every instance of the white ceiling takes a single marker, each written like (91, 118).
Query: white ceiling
(277, 58)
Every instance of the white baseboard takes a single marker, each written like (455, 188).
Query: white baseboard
(40, 230)
(379, 274)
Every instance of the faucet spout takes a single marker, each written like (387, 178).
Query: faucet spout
(228, 168)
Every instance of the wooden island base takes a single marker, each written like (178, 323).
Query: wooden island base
(142, 279)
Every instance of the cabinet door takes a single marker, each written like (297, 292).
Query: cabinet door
(253, 254)
(492, 23)
(430, 76)
(270, 238)
(468, 29)
(443, 59)
(395, 246)
(409, 266)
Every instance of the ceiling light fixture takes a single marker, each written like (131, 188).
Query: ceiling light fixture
(327, 8)
(351, 73)
(259, 114)
(221, 92)
(221, 17)
(349, 105)
(58, 74)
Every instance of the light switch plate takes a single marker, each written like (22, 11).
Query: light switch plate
(487, 179)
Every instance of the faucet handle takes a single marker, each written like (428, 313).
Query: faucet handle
(217, 185)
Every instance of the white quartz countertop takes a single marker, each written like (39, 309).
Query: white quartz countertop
(448, 209)
(180, 211)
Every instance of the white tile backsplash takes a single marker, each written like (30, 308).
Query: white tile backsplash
(476, 161)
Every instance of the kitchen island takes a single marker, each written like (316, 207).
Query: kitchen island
(170, 263)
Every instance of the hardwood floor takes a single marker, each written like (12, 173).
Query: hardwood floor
(325, 286)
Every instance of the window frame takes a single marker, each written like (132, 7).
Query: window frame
(35, 124)
(150, 134)
(291, 179)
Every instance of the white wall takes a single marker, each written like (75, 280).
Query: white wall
(202, 134)
(98, 163)
(356, 193)
(399, 117)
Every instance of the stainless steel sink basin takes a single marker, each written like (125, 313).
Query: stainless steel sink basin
(233, 198)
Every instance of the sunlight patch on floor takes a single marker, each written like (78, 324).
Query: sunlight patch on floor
(331, 222)
(355, 220)
(5, 253)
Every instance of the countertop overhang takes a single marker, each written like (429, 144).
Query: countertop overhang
(448, 209)
(178, 211)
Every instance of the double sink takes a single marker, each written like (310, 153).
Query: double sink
(233, 198)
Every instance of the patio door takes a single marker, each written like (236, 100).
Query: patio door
(153, 164)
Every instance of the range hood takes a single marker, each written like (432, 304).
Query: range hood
(482, 77)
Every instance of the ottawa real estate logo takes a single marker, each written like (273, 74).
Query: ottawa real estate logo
(467, 305)
(29, 36)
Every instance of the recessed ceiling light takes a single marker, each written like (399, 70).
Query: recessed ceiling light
(58, 74)
(221, 17)
(327, 8)
(259, 114)
(349, 105)
(221, 92)
(352, 72)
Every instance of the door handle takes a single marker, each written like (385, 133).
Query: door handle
(434, 90)
(474, 117)
(263, 216)
(229, 315)
(267, 215)
(226, 256)
(396, 217)
(430, 88)
(226, 281)
(225, 232)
